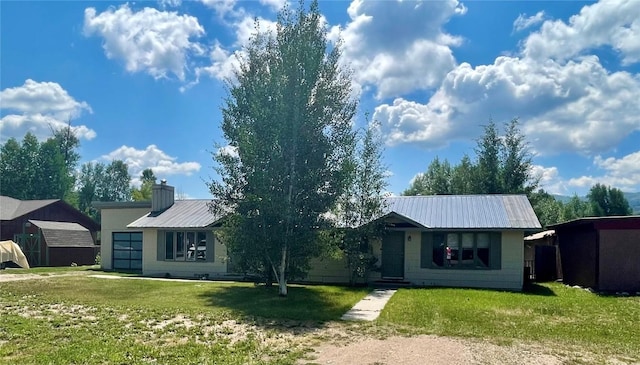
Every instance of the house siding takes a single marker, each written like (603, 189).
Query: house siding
(151, 266)
(329, 270)
(116, 220)
(509, 276)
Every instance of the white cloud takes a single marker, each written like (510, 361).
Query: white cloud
(223, 7)
(228, 150)
(572, 105)
(388, 43)
(612, 23)
(622, 173)
(225, 61)
(274, 4)
(38, 107)
(169, 3)
(550, 179)
(406, 121)
(151, 157)
(524, 22)
(158, 42)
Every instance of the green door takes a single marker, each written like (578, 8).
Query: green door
(393, 255)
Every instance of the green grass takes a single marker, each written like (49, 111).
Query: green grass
(76, 319)
(83, 320)
(550, 314)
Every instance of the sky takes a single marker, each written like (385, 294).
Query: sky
(144, 81)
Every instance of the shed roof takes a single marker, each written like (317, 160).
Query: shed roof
(611, 222)
(465, 211)
(540, 235)
(182, 214)
(11, 208)
(64, 234)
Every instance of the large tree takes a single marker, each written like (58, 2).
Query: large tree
(288, 117)
(503, 165)
(40, 170)
(361, 203)
(100, 182)
(436, 180)
(144, 193)
(607, 201)
(488, 151)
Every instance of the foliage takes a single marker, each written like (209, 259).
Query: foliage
(547, 208)
(436, 180)
(502, 166)
(100, 182)
(575, 208)
(361, 203)
(288, 119)
(488, 152)
(40, 170)
(144, 193)
(607, 201)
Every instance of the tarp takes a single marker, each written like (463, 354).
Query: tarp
(10, 251)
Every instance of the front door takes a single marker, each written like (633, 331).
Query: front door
(393, 255)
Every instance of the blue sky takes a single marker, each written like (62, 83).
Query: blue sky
(142, 81)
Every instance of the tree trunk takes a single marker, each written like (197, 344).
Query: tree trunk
(282, 280)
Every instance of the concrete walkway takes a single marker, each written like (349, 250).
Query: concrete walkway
(369, 308)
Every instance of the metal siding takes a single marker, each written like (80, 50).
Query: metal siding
(466, 211)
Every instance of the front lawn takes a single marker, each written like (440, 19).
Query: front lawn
(82, 320)
(552, 314)
(71, 318)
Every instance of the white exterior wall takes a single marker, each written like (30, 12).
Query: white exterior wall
(510, 276)
(115, 220)
(152, 267)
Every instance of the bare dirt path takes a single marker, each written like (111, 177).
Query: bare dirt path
(18, 277)
(428, 350)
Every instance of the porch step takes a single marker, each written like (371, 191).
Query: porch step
(391, 283)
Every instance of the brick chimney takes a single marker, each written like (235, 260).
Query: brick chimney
(161, 197)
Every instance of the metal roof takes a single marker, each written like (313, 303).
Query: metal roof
(182, 214)
(64, 234)
(11, 208)
(465, 211)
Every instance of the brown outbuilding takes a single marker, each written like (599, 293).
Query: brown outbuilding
(602, 253)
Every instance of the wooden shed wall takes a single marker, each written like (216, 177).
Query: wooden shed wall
(619, 266)
(578, 255)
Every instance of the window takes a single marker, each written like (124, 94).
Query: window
(186, 246)
(463, 250)
(127, 250)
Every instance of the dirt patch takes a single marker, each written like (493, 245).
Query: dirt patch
(439, 350)
(4, 277)
(18, 277)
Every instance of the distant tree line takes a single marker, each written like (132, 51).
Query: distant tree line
(503, 165)
(32, 170)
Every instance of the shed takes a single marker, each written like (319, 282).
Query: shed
(59, 244)
(602, 253)
(541, 256)
(15, 217)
